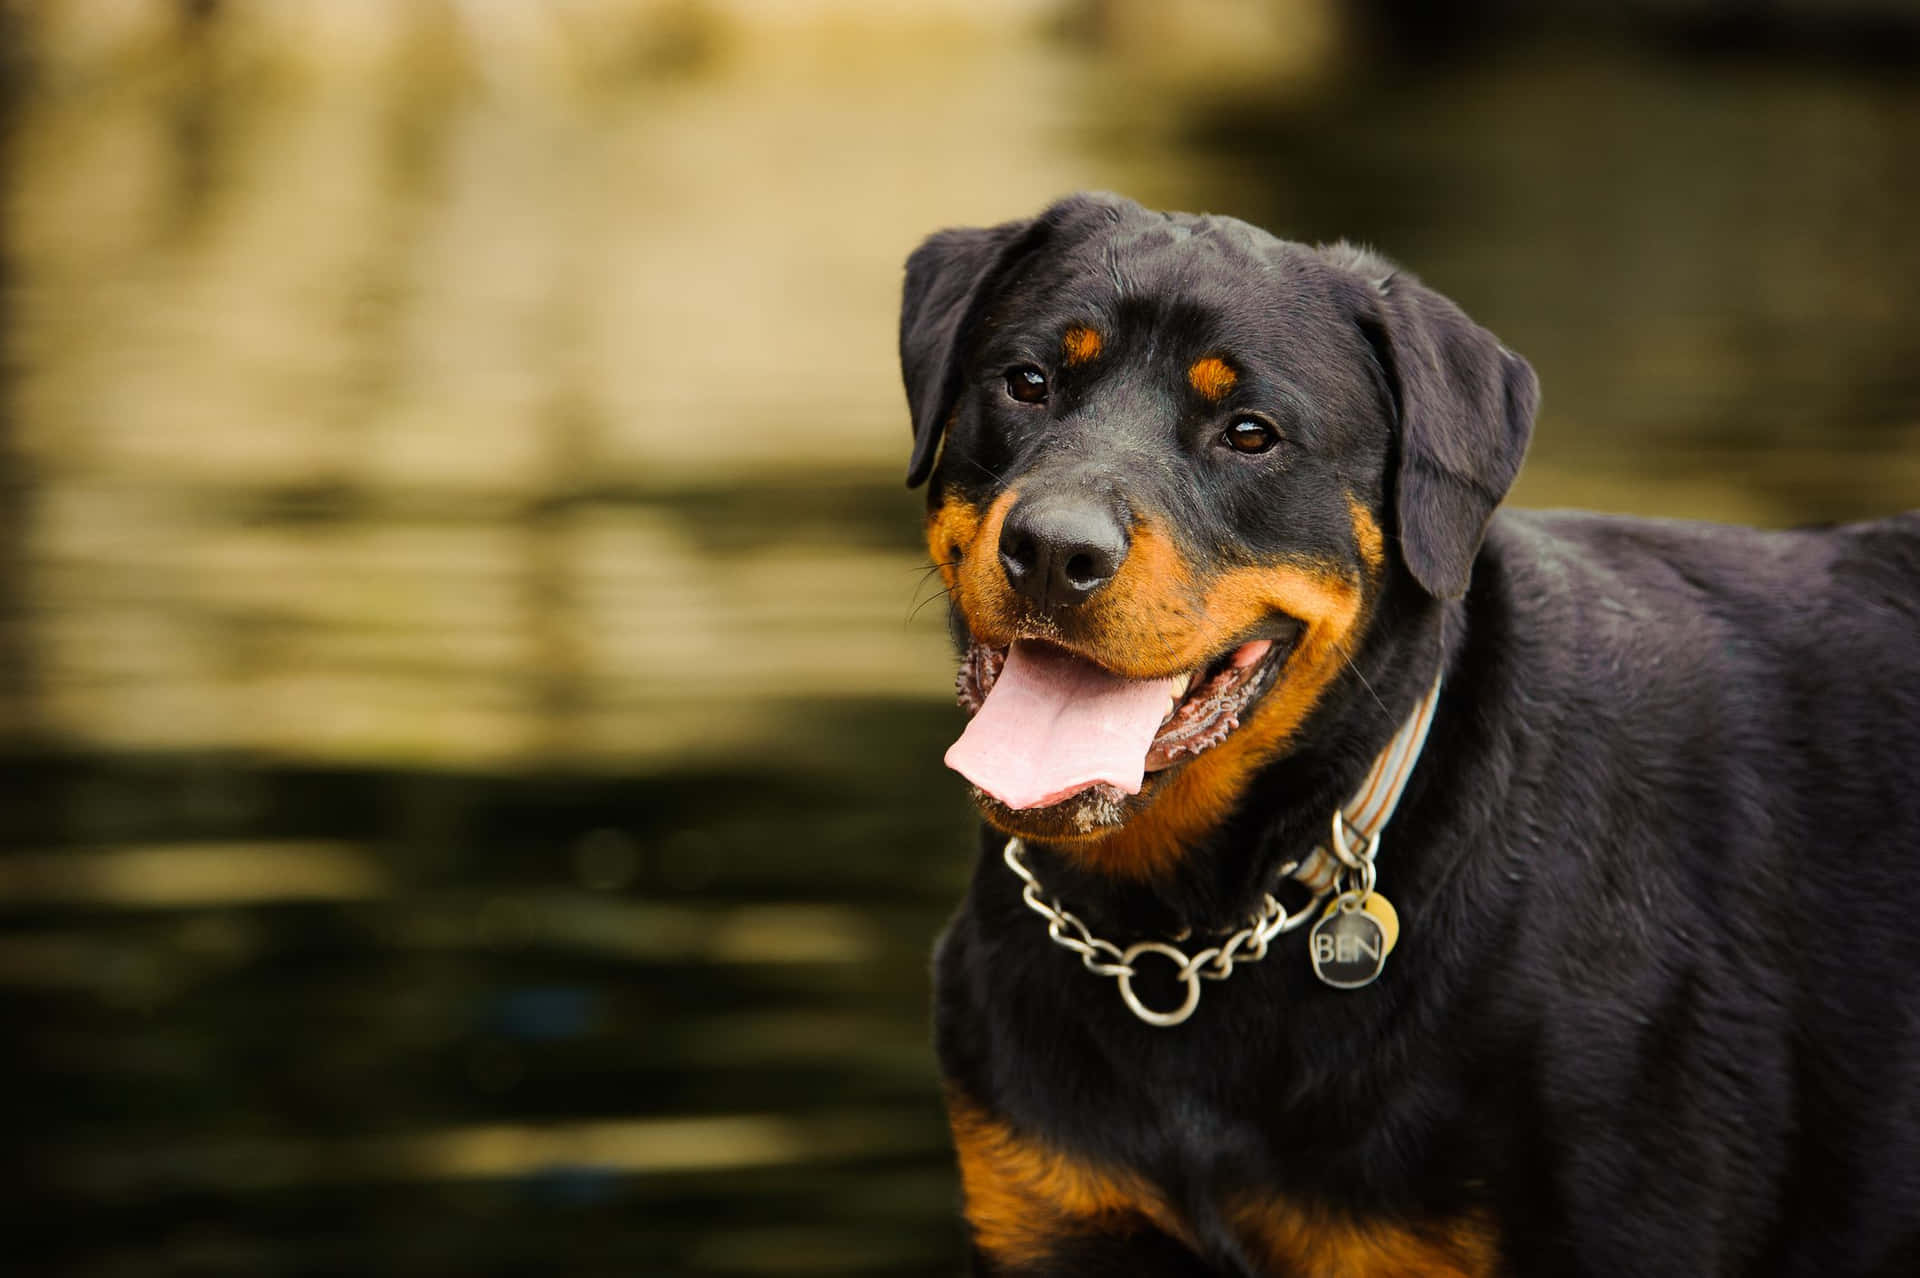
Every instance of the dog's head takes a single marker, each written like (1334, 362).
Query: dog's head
(1183, 461)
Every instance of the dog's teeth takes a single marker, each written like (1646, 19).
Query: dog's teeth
(1180, 689)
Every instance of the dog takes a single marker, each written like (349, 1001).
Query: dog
(1373, 882)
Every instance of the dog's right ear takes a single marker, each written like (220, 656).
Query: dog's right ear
(949, 278)
(1465, 407)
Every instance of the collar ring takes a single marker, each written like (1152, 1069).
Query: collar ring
(1185, 969)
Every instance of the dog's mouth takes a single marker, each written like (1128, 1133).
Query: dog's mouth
(1050, 726)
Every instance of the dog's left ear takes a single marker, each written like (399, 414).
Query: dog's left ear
(948, 279)
(1465, 405)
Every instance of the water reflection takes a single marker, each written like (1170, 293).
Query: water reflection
(471, 788)
(633, 1002)
(184, 876)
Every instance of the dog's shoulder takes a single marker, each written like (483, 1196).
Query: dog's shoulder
(1696, 649)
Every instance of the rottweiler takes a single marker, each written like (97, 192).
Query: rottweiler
(1372, 882)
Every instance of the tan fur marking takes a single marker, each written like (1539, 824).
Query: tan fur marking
(1213, 377)
(1295, 1240)
(1081, 345)
(950, 532)
(1021, 1196)
(1367, 536)
(985, 598)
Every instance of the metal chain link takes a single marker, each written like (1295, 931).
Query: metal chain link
(1215, 963)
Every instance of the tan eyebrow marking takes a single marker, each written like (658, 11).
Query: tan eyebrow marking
(1213, 377)
(1081, 345)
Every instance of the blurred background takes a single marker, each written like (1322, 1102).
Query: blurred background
(470, 797)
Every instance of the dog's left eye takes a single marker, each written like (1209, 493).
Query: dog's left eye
(1250, 435)
(1027, 384)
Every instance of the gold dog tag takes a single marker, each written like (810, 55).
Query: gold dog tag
(1385, 915)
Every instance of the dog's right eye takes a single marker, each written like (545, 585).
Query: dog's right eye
(1027, 384)
(1250, 435)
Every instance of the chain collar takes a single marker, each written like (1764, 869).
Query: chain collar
(1104, 958)
(1346, 863)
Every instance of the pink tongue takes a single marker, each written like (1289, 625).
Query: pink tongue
(1055, 724)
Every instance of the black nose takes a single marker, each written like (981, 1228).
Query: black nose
(1058, 548)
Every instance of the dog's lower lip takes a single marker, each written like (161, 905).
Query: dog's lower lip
(1209, 712)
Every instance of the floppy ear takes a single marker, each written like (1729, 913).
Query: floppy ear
(948, 279)
(1465, 405)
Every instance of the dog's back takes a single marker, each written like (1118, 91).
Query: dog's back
(1716, 743)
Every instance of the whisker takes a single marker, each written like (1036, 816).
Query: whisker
(930, 569)
(983, 469)
(1346, 657)
(927, 572)
(946, 594)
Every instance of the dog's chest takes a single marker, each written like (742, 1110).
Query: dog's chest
(1209, 1185)
(1278, 1231)
(1029, 1204)
(1130, 1135)
(1283, 1237)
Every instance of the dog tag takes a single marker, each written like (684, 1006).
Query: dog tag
(1386, 916)
(1349, 945)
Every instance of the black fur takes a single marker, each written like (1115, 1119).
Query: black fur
(1656, 1003)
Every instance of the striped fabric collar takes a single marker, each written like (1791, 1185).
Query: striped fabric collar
(1372, 805)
